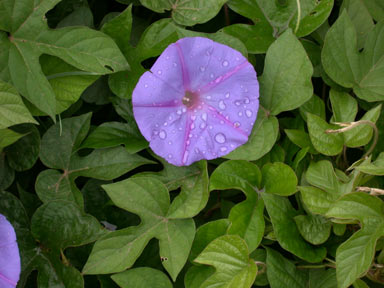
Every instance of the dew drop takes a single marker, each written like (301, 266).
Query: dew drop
(240, 113)
(188, 142)
(174, 64)
(225, 63)
(190, 135)
(248, 113)
(170, 142)
(170, 118)
(211, 75)
(204, 116)
(210, 127)
(236, 124)
(222, 105)
(192, 126)
(156, 125)
(155, 132)
(246, 100)
(223, 149)
(237, 102)
(159, 72)
(202, 68)
(180, 129)
(179, 112)
(173, 131)
(197, 151)
(193, 117)
(202, 125)
(184, 110)
(170, 156)
(163, 134)
(227, 95)
(221, 122)
(146, 85)
(220, 138)
(165, 124)
(208, 97)
(185, 157)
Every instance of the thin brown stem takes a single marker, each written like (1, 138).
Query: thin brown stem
(370, 190)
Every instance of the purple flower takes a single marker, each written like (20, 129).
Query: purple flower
(9, 255)
(199, 101)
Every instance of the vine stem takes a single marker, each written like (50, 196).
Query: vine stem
(372, 191)
(298, 15)
(350, 125)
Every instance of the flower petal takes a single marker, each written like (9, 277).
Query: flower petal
(9, 255)
(199, 101)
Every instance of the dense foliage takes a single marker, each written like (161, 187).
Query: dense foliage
(298, 205)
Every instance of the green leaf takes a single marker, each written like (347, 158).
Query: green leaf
(314, 14)
(236, 174)
(282, 217)
(7, 174)
(247, 221)
(187, 13)
(193, 181)
(8, 137)
(279, 178)
(58, 150)
(314, 228)
(361, 18)
(301, 139)
(229, 255)
(58, 143)
(319, 278)
(283, 273)
(328, 188)
(344, 106)
(257, 38)
(76, 228)
(361, 135)
(30, 37)
(196, 275)
(67, 82)
(148, 198)
(206, 233)
(315, 106)
(260, 142)
(110, 134)
(286, 81)
(23, 154)
(81, 16)
(374, 168)
(354, 257)
(12, 108)
(326, 143)
(13, 209)
(142, 277)
(349, 68)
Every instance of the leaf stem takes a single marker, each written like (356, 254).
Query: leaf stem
(350, 125)
(372, 191)
(298, 15)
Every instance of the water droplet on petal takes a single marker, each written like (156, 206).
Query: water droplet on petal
(146, 85)
(190, 135)
(221, 122)
(165, 123)
(170, 156)
(188, 142)
(236, 124)
(208, 97)
(240, 113)
(159, 72)
(179, 112)
(222, 105)
(225, 63)
(163, 134)
(204, 116)
(192, 126)
(156, 125)
(184, 110)
(220, 138)
(223, 149)
(174, 64)
(227, 95)
(210, 127)
(185, 158)
(197, 151)
(248, 113)
(202, 125)
(170, 118)
(202, 68)
(237, 102)
(193, 117)
(246, 100)
(211, 75)
(170, 142)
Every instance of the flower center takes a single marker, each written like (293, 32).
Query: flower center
(190, 99)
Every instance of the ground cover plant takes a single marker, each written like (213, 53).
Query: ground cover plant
(288, 191)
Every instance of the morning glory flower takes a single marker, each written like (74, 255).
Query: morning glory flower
(9, 255)
(198, 101)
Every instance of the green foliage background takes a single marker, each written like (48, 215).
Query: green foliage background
(299, 205)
